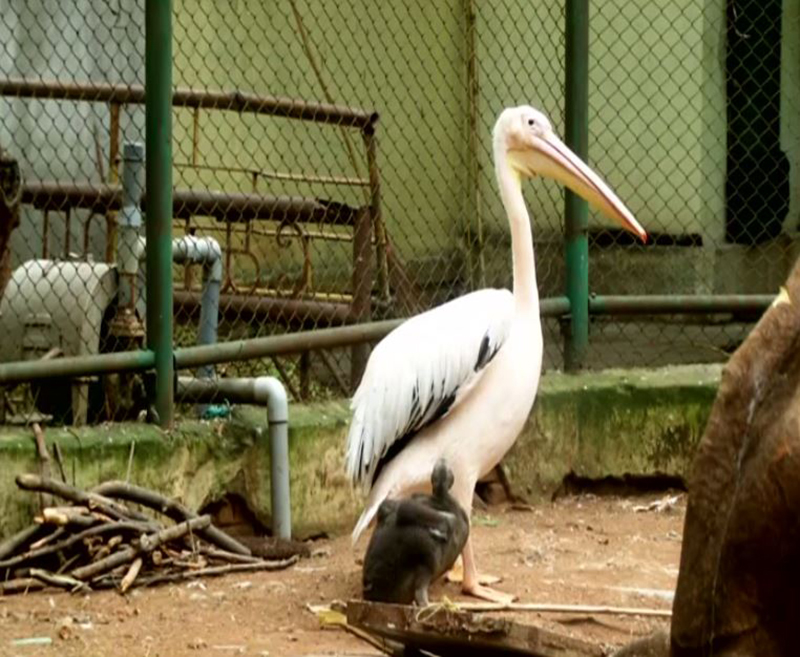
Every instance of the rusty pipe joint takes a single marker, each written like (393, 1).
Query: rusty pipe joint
(204, 251)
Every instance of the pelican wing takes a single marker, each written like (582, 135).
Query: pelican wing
(421, 371)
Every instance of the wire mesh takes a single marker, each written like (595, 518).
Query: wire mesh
(694, 120)
(324, 217)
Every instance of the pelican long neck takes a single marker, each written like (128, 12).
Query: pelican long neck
(526, 292)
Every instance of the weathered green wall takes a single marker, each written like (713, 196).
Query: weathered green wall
(657, 108)
(657, 105)
(656, 89)
(657, 96)
(593, 424)
(404, 61)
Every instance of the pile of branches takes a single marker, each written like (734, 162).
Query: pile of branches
(98, 540)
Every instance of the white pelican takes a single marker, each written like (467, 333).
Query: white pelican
(459, 381)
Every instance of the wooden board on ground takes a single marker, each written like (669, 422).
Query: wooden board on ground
(448, 633)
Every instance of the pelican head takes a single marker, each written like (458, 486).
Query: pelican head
(524, 138)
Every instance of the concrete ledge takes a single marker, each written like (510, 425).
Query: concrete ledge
(598, 423)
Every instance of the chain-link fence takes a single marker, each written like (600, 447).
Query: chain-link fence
(695, 118)
(694, 121)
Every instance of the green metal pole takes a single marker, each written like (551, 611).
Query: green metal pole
(158, 132)
(293, 343)
(576, 209)
(696, 304)
(73, 366)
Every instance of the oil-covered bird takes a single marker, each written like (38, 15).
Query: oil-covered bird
(416, 540)
(458, 381)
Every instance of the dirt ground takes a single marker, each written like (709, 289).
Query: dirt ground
(578, 550)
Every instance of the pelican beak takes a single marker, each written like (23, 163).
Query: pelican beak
(547, 155)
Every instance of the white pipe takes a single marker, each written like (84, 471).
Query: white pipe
(130, 223)
(204, 251)
(199, 251)
(267, 391)
(207, 252)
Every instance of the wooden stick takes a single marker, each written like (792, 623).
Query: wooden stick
(102, 565)
(106, 549)
(44, 459)
(15, 542)
(107, 582)
(215, 553)
(60, 460)
(152, 541)
(41, 449)
(563, 609)
(170, 508)
(129, 525)
(146, 544)
(92, 500)
(65, 515)
(46, 539)
(21, 585)
(69, 562)
(61, 581)
(130, 576)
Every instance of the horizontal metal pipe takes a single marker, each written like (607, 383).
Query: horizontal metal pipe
(75, 366)
(190, 357)
(289, 343)
(679, 305)
(186, 203)
(553, 306)
(205, 251)
(343, 336)
(293, 312)
(207, 391)
(236, 101)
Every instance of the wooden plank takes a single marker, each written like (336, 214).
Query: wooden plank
(449, 633)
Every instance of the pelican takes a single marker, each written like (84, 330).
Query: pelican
(458, 381)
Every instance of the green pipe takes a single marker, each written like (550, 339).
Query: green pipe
(677, 305)
(289, 343)
(158, 134)
(74, 366)
(292, 343)
(554, 307)
(344, 336)
(576, 210)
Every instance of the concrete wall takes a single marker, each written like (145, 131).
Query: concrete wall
(80, 41)
(657, 105)
(611, 423)
(658, 110)
(404, 62)
(656, 89)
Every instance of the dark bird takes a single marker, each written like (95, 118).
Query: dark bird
(415, 542)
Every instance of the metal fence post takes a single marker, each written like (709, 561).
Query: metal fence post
(576, 209)
(158, 111)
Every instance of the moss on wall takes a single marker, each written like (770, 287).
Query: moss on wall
(593, 423)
